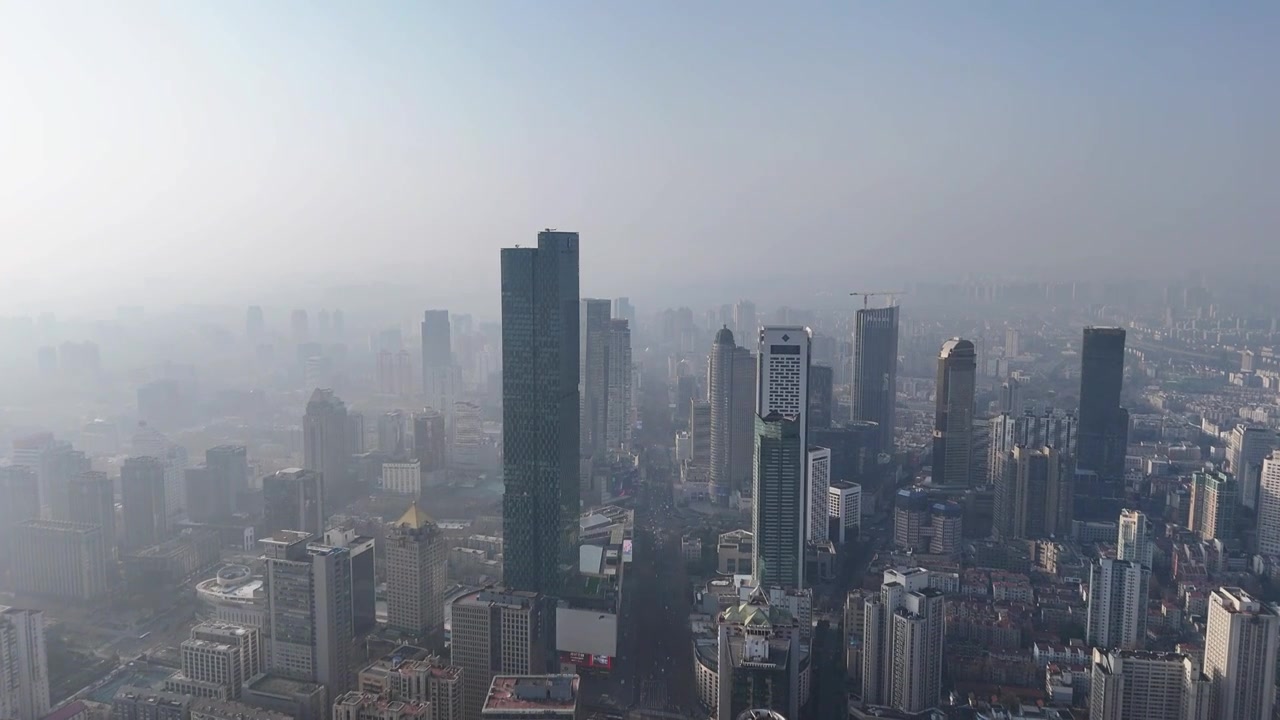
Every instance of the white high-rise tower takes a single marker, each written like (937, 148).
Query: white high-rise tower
(1241, 644)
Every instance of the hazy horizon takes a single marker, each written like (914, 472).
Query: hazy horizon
(227, 153)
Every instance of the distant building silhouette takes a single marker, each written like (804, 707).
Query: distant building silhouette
(875, 370)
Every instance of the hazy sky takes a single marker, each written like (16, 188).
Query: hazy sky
(180, 151)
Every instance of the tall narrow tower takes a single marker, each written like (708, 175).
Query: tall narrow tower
(953, 417)
(875, 370)
(326, 445)
(415, 560)
(1104, 425)
(540, 411)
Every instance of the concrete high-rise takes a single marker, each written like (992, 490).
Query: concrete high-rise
(778, 509)
(326, 445)
(817, 488)
(1247, 447)
(392, 438)
(309, 606)
(1133, 539)
(496, 631)
(593, 357)
(294, 499)
(1008, 430)
(540, 412)
(430, 440)
(1214, 496)
(782, 374)
(624, 310)
(1269, 506)
(24, 665)
(1104, 425)
(902, 643)
(217, 660)
(59, 464)
(1140, 685)
(145, 519)
(619, 409)
(228, 467)
(700, 432)
(745, 321)
(953, 415)
(416, 557)
(875, 370)
(20, 487)
(60, 559)
(1033, 496)
(1242, 639)
(731, 390)
(91, 501)
(1118, 604)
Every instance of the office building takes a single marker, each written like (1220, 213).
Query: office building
(844, 509)
(142, 486)
(520, 697)
(778, 509)
(135, 703)
(24, 665)
(1247, 447)
(1269, 506)
(624, 310)
(1140, 685)
(1214, 496)
(91, 501)
(782, 375)
(20, 487)
(953, 416)
(821, 399)
(60, 559)
(440, 375)
(229, 470)
(497, 632)
(392, 437)
(1034, 430)
(416, 561)
(59, 464)
(309, 607)
(619, 405)
(817, 482)
(1034, 495)
(593, 331)
(762, 658)
(875, 371)
(700, 433)
(294, 499)
(364, 583)
(540, 411)
(731, 390)
(1241, 641)
(1104, 425)
(902, 643)
(1118, 604)
(430, 440)
(402, 478)
(327, 445)
(217, 660)
(854, 446)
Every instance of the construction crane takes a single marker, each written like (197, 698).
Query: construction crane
(866, 296)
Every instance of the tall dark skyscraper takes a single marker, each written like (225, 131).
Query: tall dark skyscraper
(228, 467)
(540, 411)
(953, 416)
(1103, 435)
(821, 380)
(142, 495)
(91, 501)
(593, 328)
(439, 375)
(875, 370)
(732, 393)
(293, 500)
(326, 445)
(778, 502)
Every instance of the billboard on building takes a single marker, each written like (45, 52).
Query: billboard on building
(586, 632)
(626, 550)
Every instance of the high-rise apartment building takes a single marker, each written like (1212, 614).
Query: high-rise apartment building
(619, 406)
(902, 643)
(593, 331)
(91, 501)
(1242, 639)
(1104, 425)
(1033, 496)
(875, 370)
(1269, 506)
(540, 411)
(309, 605)
(1118, 604)
(1140, 685)
(416, 561)
(217, 660)
(1247, 447)
(20, 487)
(953, 416)
(145, 518)
(392, 438)
(1214, 496)
(700, 432)
(778, 509)
(24, 665)
(60, 559)
(59, 465)
(496, 631)
(228, 467)
(731, 390)
(1008, 430)
(294, 499)
(1133, 539)
(326, 445)
(817, 485)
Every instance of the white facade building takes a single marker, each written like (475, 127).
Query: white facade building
(844, 503)
(24, 666)
(818, 483)
(1241, 644)
(402, 478)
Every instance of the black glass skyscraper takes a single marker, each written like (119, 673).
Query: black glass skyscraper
(875, 370)
(540, 438)
(1103, 425)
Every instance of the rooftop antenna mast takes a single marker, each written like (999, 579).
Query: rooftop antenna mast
(866, 296)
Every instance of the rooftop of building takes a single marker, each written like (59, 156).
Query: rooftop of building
(68, 711)
(356, 698)
(534, 694)
(280, 685)
(236, 710)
